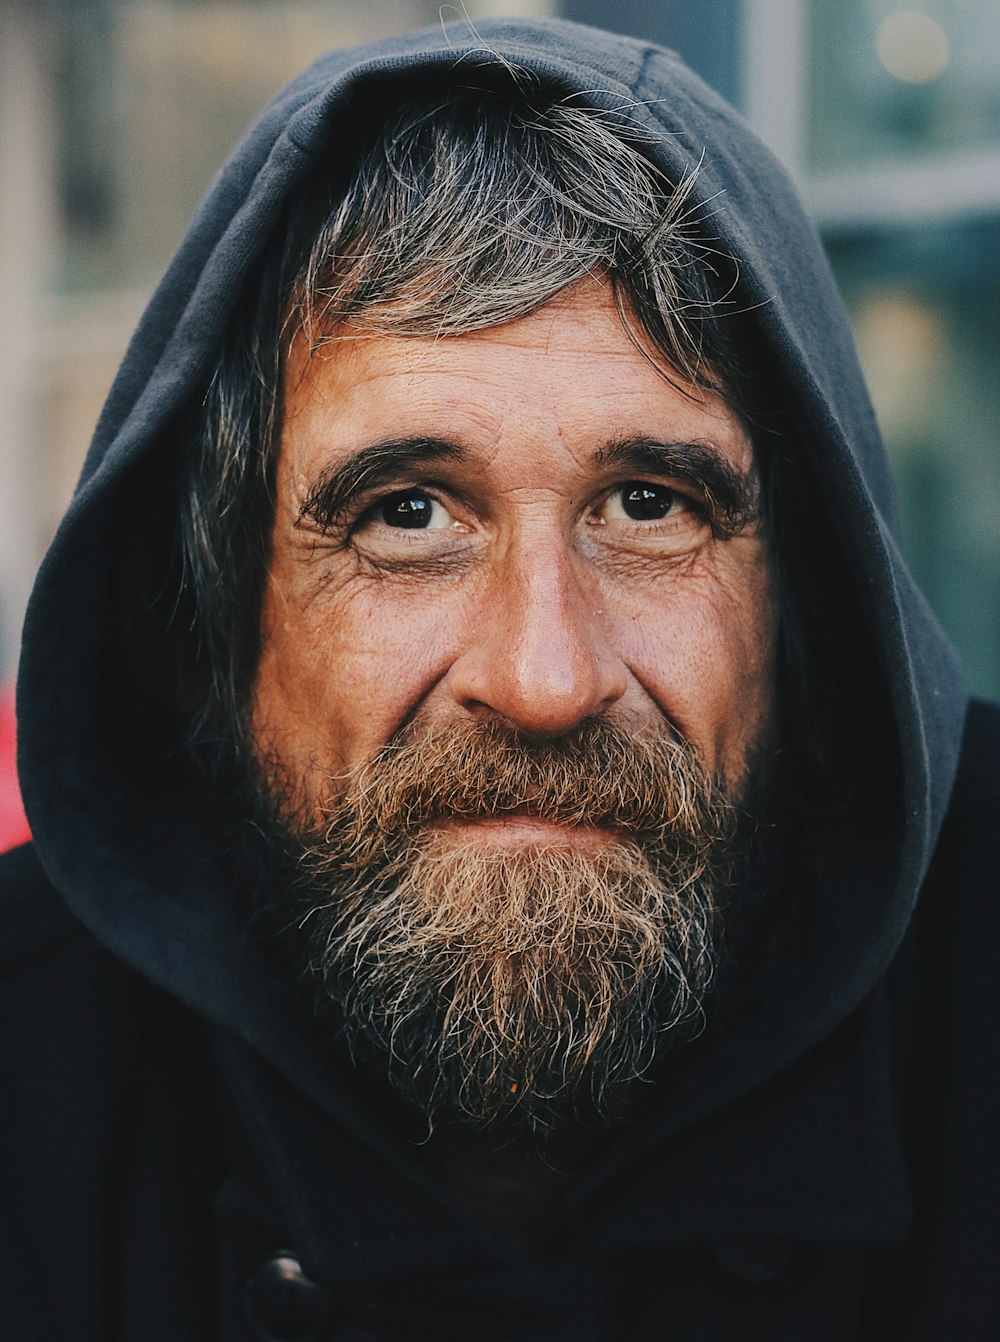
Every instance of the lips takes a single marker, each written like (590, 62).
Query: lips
(525, 824)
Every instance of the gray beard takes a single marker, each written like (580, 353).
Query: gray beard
(509, 988)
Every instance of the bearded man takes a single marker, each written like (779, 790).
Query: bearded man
(484, 752)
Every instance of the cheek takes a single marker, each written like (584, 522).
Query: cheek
(342, 667)
(702, 645)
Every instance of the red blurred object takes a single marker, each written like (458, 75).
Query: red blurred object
(13, 824)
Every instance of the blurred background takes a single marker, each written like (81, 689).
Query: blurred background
(114, 114)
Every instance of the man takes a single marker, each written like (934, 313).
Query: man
(484, 752)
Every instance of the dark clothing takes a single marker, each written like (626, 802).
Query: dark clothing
(816, 1166)
(853, 1197)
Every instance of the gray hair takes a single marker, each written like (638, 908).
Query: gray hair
(470, 212)
(462, 211)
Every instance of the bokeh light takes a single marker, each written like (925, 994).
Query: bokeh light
(912, 46)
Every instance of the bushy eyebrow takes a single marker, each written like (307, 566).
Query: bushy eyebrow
(336, 488)
(731, 497)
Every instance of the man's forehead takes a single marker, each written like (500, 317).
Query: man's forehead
(570, 374)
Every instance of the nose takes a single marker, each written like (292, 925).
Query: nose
(537, 656)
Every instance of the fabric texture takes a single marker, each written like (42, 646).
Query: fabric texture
(819, 1170)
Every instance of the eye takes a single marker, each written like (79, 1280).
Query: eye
(412, 510)
(640, 501)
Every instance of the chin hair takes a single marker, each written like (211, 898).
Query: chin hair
(514, 988)
(507, 986)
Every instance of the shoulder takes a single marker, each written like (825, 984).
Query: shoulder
(63, 997)
(960, 891)
(112, 1115)
(976, 796)
(956, 1108)
(963, 874)
(35, 919)
(64, 994)
(75, 1021)
(53, 972)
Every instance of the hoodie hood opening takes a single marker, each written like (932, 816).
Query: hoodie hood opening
(124, 821)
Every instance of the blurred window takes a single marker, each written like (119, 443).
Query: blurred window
(154, 94)
(924, 300)
(895, 127)
(892, 81)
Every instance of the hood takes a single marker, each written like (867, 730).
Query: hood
(130, 856)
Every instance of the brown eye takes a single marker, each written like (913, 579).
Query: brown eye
(412, 510)
(640, 501)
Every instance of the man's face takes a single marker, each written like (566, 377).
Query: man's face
(509, 525)
(518, 652)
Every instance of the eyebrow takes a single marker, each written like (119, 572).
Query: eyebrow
(335, 489)
(730, 496)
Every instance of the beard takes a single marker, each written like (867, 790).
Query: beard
(512, 987)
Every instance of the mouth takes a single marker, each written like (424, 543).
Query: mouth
(523, 826)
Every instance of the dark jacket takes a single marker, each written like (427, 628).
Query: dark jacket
(187, 1160)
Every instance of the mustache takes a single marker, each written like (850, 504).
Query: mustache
(642, 784)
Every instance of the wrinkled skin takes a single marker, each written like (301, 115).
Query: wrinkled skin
(533, 584)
